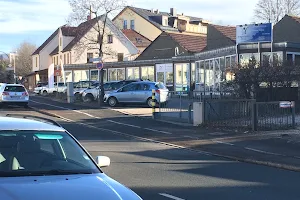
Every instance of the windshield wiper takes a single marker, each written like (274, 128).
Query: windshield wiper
(63, 172)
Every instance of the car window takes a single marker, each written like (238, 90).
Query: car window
(14, 89)
(145, 87)
(160, 86)
(39, 153)
(61, 84)
(131, 87)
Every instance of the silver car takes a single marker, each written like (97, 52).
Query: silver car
(13, 94)
(41, 160)
(138, 92)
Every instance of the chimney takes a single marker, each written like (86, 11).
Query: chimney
(173, 12)
(152, 10)
(157, 11)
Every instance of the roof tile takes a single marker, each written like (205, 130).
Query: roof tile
(136, 38)
(192, 43)
(228, 31)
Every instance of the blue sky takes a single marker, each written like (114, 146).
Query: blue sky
(35, 20)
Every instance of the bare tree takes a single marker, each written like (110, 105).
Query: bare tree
(274, 10)
(101, 10)
(24, 59)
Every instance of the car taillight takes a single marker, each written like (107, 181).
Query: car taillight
(157, 91)
(24, 94)
(5, 94)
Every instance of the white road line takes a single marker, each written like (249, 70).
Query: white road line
(220, 142)
(84, 113)
(265, 152)
(123, 124)
(51, 105)
(154, 130)
(195, 138)
(170, 196)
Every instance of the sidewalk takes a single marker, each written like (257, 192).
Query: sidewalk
(273, 148)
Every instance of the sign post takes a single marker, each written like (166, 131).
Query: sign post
(99, 66)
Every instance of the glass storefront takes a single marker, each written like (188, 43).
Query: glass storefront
(133, 73)
(81, 75)
(164, 74)
(148, 73)
(182, 79)
(116, 74)
(94, 75)
(69, 76)
(245, 58)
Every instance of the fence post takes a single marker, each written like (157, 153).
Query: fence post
(293, 115)
(153, 104)
(190, 113)
(254, 117)
(180, 103)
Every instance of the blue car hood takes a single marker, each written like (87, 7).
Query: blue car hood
(75, 187)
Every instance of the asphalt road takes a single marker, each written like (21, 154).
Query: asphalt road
(159, 171)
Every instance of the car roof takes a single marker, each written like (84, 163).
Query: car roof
(8, 84)
(15, 123)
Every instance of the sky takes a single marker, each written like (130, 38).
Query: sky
(35, 20)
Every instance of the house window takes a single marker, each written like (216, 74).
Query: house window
(132, 24)
(64, 58)
(70, 58)
(36, 62)
(120, 57)
(125, 24)
(89, 55)
(110, 39)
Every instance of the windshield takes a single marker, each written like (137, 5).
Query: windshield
(36, 153)
(14, 89)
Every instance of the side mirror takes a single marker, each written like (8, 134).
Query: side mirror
(103, 161)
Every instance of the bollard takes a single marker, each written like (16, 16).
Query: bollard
(153, 104)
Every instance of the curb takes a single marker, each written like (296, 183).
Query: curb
(245, 160)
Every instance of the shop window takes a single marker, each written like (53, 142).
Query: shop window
(133, 73)
(148, 73)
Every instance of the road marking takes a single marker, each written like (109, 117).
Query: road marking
(51, 105)
(220, 142)
(170, 196)
(87, 114)
(195, 138)
(265, 152)
(154, 130)
(123, 124)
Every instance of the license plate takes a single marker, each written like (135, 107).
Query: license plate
(15, 97)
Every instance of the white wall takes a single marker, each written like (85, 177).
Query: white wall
(120, 44)
(45, 58)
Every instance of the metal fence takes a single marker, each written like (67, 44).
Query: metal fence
(179, 107)
(272, 116)
(229, 113)
(249, 114)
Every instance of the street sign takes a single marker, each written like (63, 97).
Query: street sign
(93, 60)
(57, 72)
(254, 33)
(100, 65)
(286, 104)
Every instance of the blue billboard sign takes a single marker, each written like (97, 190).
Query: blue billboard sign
(254, 33)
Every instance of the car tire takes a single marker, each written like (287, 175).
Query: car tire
(45, 93)
(112, 101)
(149, 102)
(77, 96)
(88, 98)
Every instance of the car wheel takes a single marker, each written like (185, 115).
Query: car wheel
(77, 96)
(88, 98)
(149, 102)
(112, 101)
(45, 93)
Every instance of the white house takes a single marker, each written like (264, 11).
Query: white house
(75, 45)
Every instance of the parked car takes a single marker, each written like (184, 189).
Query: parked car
(58, 87)
(81, 86)
(44, 161)
(92, 94)
(139, 92)
(13, 94)
(39, 87)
